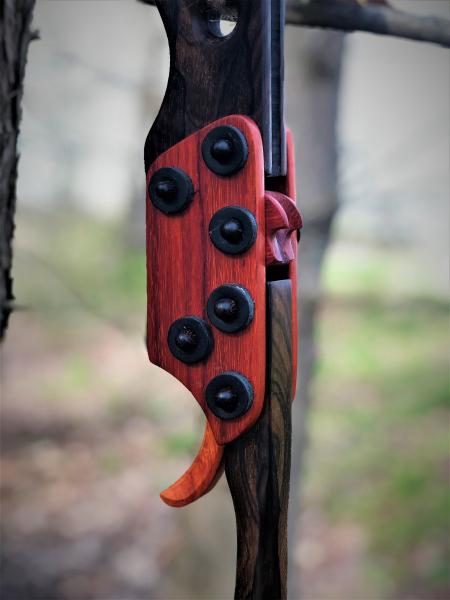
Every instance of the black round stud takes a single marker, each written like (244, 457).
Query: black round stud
(222, 151)
(226, 309)
(186, 340)
(190, 339)
(233, 230)
(166, 189)
(170, 190)
(230, 308)
(229, 395)
(226, 399)
(225, 150)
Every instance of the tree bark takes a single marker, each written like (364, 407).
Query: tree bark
(313, 62)
(15, 36)
(374, 16)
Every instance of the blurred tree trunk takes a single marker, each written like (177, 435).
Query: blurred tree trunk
(313, 67)
(15, 36)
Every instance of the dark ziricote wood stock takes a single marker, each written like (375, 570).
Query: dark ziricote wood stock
(257, 466)
(213, 77)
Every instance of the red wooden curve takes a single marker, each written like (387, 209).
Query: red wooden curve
(201, 476)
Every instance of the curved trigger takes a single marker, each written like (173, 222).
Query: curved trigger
(201, 476)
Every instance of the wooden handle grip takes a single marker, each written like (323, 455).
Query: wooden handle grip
(257, 466)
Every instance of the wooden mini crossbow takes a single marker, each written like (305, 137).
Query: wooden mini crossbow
(222, 234)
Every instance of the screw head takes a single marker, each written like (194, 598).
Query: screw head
(190, 339)
(233, 230)
(166, 189)
(226, 399)
(186, 340)
(225, 150)
(229, 395)
(230, 308)
(222, 151)
(171, 190)
(226, 309)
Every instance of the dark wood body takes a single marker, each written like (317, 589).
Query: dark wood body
(257, 466)
(212, 77)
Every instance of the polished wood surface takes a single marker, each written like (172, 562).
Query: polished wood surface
(290, 190)
(257, 466)
(201, 476)
(213, 77)
(184, 267)
(283, 223)
(287, 186)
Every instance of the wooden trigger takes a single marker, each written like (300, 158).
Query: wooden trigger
(201, 476)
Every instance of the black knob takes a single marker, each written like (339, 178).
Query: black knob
(230, 308)
(225, 150)
(170, 190)
(229, 395)
(226, 399)
(186, 340)
(166, 189)
(190, 339)
(233, 230)
(226, 309)
(222, 151)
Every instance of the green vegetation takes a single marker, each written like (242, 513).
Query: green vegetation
(182, 443)
(69, 262)
(380, 438)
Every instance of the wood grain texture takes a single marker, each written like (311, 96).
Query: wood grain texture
(257, 466)
(290, 190)
(212, 77)
(287, 186)
(184, 267)
(283, 224)
(201, 476)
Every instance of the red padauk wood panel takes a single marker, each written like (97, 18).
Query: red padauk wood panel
(184, 267)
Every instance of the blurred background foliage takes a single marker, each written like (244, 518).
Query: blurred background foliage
(92, 432)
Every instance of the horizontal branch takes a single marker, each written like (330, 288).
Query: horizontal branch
(352, 16)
